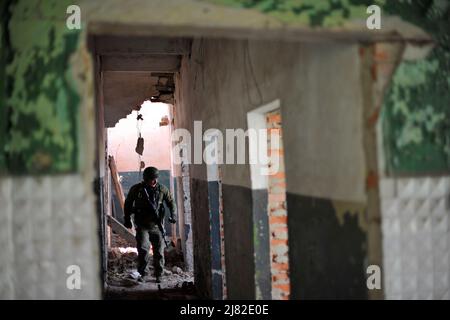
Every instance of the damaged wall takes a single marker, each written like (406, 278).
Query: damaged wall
(43, 123)
(223, 92)
(221, 82)
(122, 139)
(416, 116)
(414, 185)
(4, 55)
(49, 221)
(326, 181)
(308, 12)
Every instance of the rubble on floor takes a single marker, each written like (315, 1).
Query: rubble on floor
(118, 241)
(122, 265)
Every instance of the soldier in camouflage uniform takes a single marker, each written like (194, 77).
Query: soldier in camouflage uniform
(145, 202)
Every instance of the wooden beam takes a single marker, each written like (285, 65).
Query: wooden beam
(141, 63)
(120, 229)
(116, 181)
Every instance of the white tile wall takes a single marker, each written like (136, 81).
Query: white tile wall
(47, 224)
(416, 237)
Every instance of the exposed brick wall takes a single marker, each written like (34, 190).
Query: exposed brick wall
(222, 237)
(215, 199)
(278, 213)
(185, 178)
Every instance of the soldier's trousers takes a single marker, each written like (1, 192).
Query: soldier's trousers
(145, 237)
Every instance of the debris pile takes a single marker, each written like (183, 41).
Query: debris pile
(121, 263)
(117, 241)
(122, 267)
(174, 257)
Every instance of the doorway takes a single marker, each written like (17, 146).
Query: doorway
(135, 119)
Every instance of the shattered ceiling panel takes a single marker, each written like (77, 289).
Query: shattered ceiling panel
(124, 92)
(137, 69)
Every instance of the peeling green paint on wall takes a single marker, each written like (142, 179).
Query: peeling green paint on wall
(315, 13)
(4, 53)
(416, 110)
(43, 101)
(416, 116)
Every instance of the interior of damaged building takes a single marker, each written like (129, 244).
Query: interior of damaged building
(362, 176)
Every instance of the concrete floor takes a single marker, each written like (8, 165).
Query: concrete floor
(169, 289)
(176, 283)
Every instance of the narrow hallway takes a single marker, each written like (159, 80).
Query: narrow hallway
(224, 150)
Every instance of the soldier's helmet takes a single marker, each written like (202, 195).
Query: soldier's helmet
(150, 173)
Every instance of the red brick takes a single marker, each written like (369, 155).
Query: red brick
(280, 266)
(284, 287)
(278, 219)
(278, 197)
(277, 242)
(280, 276)
(279, 174)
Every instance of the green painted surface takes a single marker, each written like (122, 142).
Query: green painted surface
(42, 101)
(416, 111)
(315, 13)
(39, 103)
(3, 58)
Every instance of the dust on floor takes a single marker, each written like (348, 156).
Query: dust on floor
(122, 268)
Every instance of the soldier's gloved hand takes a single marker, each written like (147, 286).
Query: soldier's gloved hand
(128, 224)
(172, 220)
